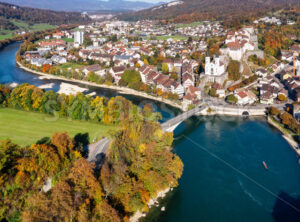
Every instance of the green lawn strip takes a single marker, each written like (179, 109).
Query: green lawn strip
(177, 37)
(68, 39)
(25, 128)
(41, 27)
(20, 24)
(69, 65)
(5, 34)
(182, 25)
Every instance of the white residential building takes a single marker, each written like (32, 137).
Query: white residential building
(239, 42)
(78, 37)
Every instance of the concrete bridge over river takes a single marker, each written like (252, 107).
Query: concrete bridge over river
(223, 110)
(98, 150)
(170, 125)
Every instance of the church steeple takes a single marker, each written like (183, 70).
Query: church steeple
(217, 60)
(207, 64)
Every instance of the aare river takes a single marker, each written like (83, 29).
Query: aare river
(223, 178)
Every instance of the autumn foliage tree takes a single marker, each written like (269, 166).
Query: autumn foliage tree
(78, 197)
(140, 165)
(46, 68)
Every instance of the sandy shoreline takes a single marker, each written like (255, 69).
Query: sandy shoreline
(121, 90)
(285, 135)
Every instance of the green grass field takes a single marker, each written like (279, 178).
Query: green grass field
(177, 37)
(5, 34)
(165, 37)
(23, 26)
(41, 27)
(69, 65)
(68, 39)
(25, 128)
(183, 25)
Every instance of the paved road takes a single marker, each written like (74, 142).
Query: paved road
(98, 150)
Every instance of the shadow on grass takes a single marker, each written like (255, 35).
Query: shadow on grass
(44, 140)
(82, 141)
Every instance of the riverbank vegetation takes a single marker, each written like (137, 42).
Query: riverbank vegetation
(287, 120)
(138, 164)
(75, 107)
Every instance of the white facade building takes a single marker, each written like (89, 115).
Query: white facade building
(215, 68)
(239, 42)
(78, 37)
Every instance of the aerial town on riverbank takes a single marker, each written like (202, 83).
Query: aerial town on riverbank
(180, 62)
(120, 86)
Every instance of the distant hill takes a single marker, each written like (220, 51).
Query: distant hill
(15, 19)
(33, 15)
(191, 10)
(84, 5)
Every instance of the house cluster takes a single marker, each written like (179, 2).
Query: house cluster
(48, 52)
(268, 20)
(292, 57)
(207, 29)
(115, 57)
(239, 42)
(184, 86)
(291, 83)
(61, 35)
(186, 77)
(113, 47)
(269, 89)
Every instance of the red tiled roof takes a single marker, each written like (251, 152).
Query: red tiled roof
(234, 45)
(193, 89)
(161, 79)
(189, 96)
(242, 94)
(186, 76)
(117, 69)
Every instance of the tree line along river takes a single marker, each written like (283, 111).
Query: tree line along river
(223, 178)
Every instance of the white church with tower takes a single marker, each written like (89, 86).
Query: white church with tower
(215, 67)
(215, 70)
